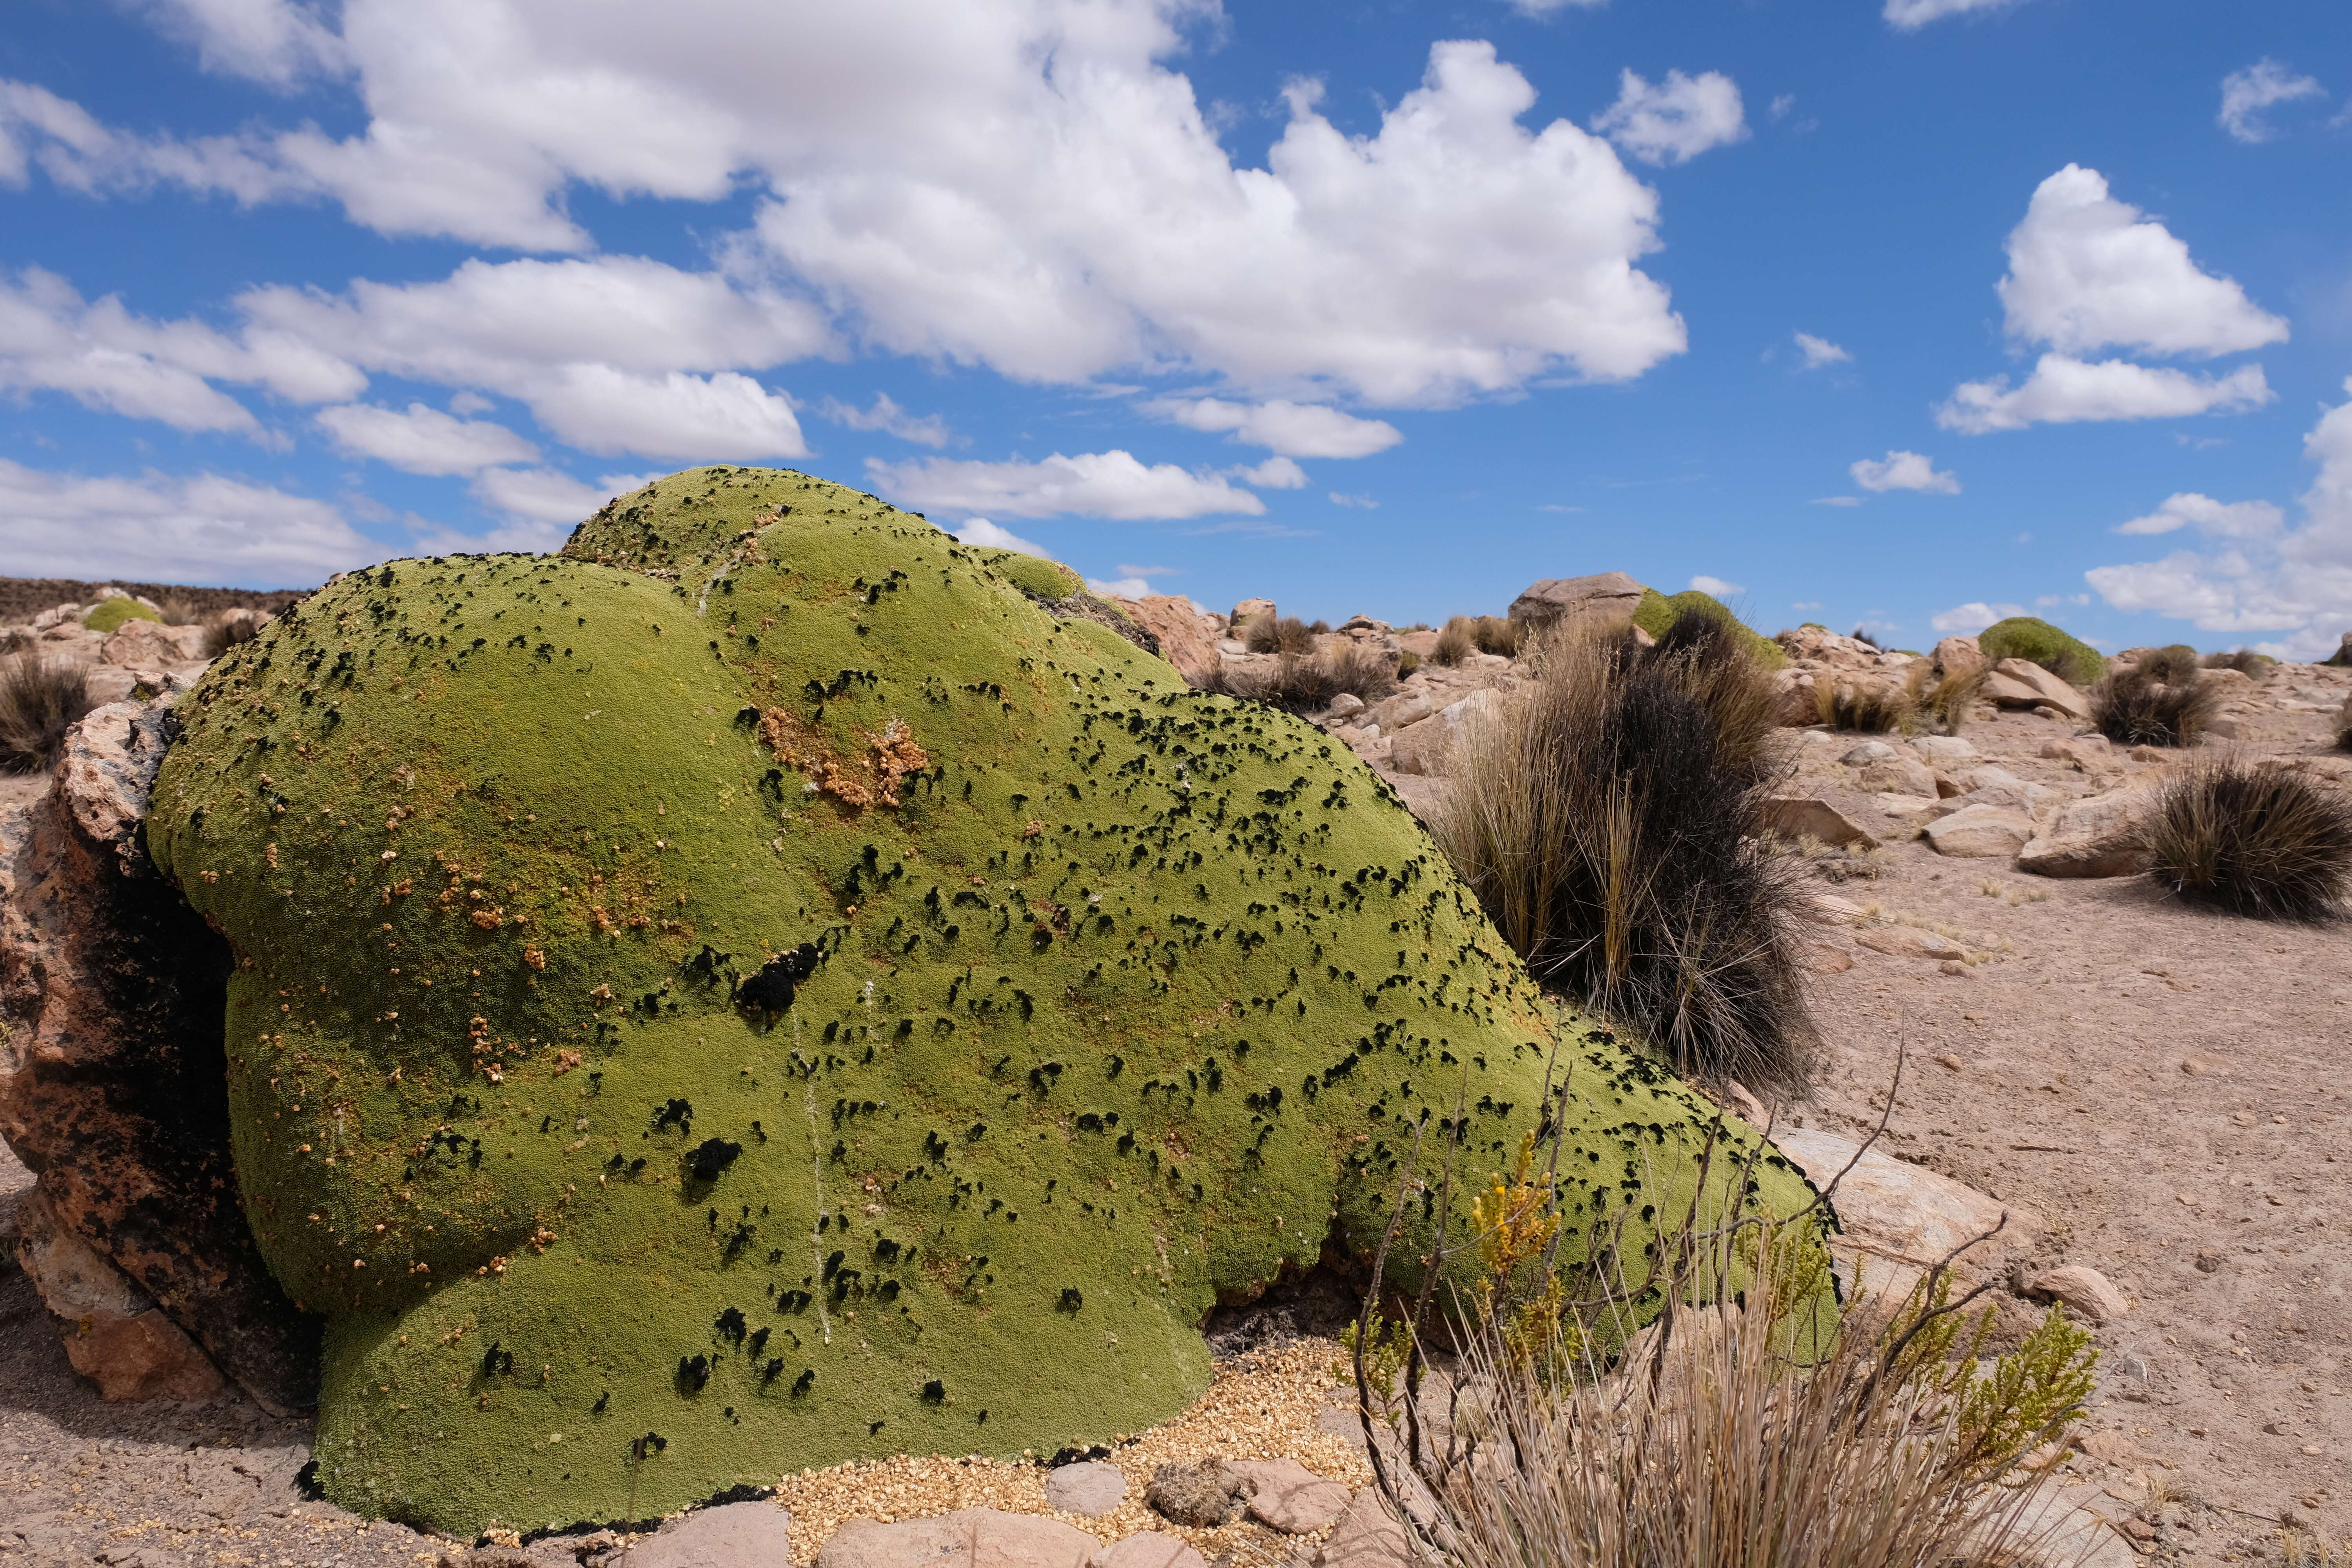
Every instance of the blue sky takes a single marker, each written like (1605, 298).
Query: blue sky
(1901, 313)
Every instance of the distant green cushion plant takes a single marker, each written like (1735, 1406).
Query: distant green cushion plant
(111, 613)
(756, 990)
(2038, 642)
(1657, 611)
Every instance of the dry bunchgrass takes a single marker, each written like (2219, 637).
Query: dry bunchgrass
(1945, 701)
(1270, 633)
(40, 699)
(1862, 705)
(227, 628)
(1307, 683)
(2252, 838)
(1454, 643)
(1609, 819)
(2139, 706)
(2255, 666)
(1498, 635)
(179, 610)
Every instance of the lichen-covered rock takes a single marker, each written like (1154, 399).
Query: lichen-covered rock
(758, 990)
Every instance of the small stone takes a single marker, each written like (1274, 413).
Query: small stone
(1200, 1496)
(1981, 831)
(2085, 1290)
(1090, 1488)
(1346, 705)
(2205, 1066)
(1955, 968)
(967, 1538)
(2208, 1263)
(1909, 941)
(1802, 816)
(1147, 1549)
(1946, 1059)
(1288, 1496)
(1365, 1537)
(1823, 957)
(732, 1535)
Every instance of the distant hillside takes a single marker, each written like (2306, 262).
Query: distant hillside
(22, 598)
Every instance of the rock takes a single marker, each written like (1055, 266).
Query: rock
(1409, 706)
(1427, 747)
(1897, 775)
(2089, 1293)
(1903, 1217)
(1802, 816)
(732, 1535)
(1365, 1537)
(1904, 806)
(112, 1067)
(1347, 705)
(2227, 727)
(1245, 611)
(1821, 646)
(1869, 751)
(57, 615)
(1824, 957)
(1147, 1549)
(114, 1333)
(967, 1538)
(2021, 683)
(1957, 655)
(1602, 600)
(1981, 831)
(1288, 1496)
(1200, 1496)
(1091, 1488)
(553, 1552)
(1909, 941)
(1188, 637)
(1952, 750)
(2098, 836)
(147, 644)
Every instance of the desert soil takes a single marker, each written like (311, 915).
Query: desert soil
(2157, 1092)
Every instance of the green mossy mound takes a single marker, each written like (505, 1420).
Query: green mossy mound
(649, 1116)
(1657, 611)
(2036, 641)
(111, 614)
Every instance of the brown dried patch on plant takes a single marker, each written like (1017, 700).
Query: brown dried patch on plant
(1610, 818)
(2253, 838)
(1700, 1401)
(40, 699)
(891, 758)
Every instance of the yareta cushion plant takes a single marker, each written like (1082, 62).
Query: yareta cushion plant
(756, 990)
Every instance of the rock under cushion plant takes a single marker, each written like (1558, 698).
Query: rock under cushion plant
(756, 990)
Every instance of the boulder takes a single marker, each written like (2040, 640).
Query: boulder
(2021, 683)
(1366, 1537)
(1903, 1218)
(1897, 775)
(1427, 747)
(967, 1538)
(149, 645)
(732, 1535)
(1089, 1487)
(2098, 836)
(1409, 706)
(1288, 1496)
(1957, 655)
(1808, 817)
(113, 1068)
(1188, 637)
(1347, 705)
(583, 1076)
(114, 1333)
(1980, 832)
(1951, 751)
(1148, 1549)
(1867, 752)
(1819, 645)
(2089, 1293)
(1603, 600)
(1909, 941)
(1245, 611)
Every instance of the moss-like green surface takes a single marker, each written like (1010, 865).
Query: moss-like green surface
(110, 616)
(1657, 611)
(1128, 1005)
(2035, 640)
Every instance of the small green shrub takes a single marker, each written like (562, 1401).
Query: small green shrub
(1657, 611)
(110, 616)
(1407, 662)
(40, 699)
(2253, 838)
(1454, 643)
(2134, 707)
(2036, 641)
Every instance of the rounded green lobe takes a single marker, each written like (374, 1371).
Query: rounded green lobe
(1127, 1004)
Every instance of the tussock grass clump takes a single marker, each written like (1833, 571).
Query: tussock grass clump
(1306, 683)
(1862, 705)
(2138, 706)
(181, 611)
(1945, 701)
(1454, 643)
(1499, 634)
(1610, 818)
(40, 699)
(224, 630)
(2254, 666)
(1286, 634)
(1658, 611)
(2175, 664)
(2254, 840)
(2036, 641)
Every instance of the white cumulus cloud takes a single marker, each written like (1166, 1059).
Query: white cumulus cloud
(1819, 352)
(201, 529)
(1906, 15)
(1291, 430)
(886, 416)
(1275, 474)
(2217, 519)
(422, 440)
(981, 532)
(1904, 471)
(695, 418)
(2246, 94)
(1114, 484)
(1540, 9)
(2062, 390)
(1715, 587)
(1674, 121)
(1968, 620)
(2088, 272)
